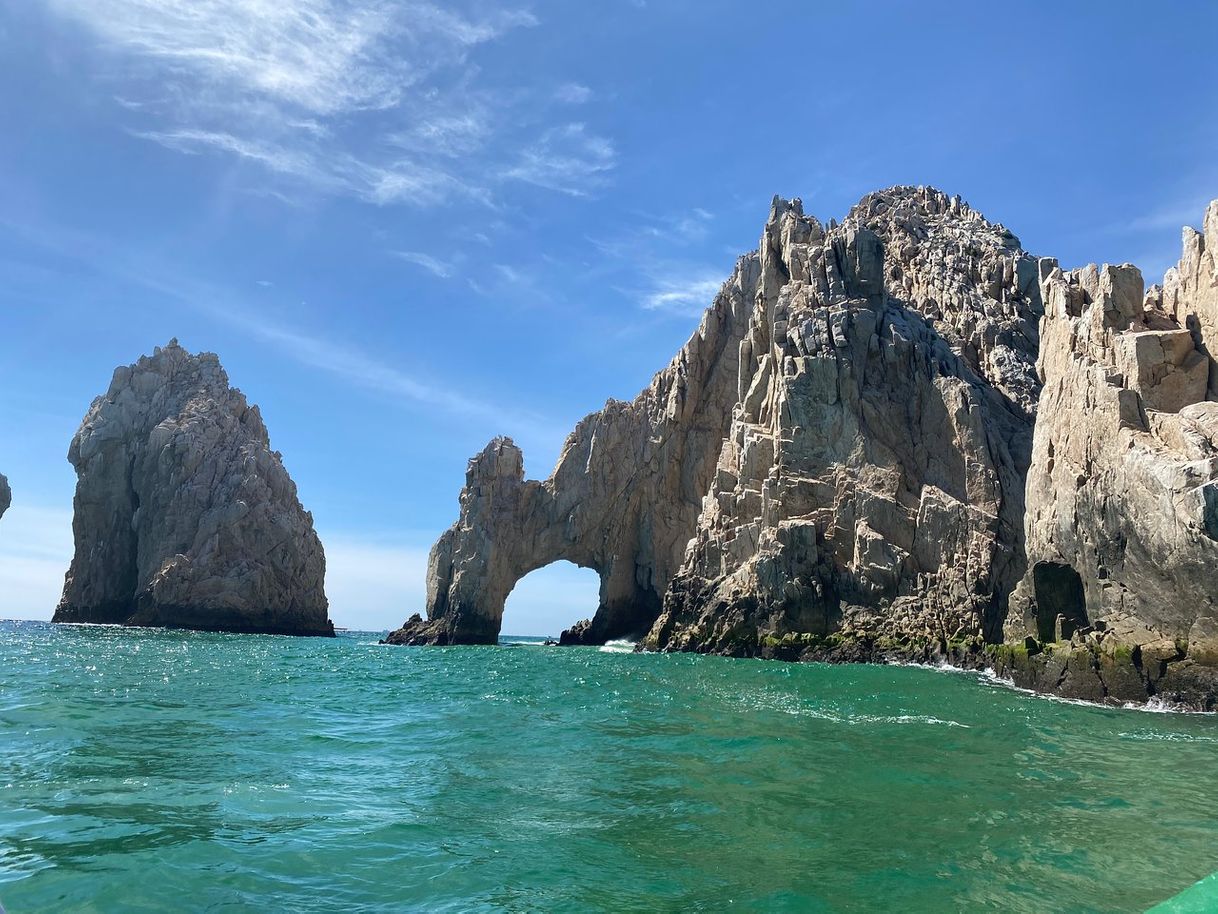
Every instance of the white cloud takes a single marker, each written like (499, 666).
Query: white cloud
(572, 94)
(427, 262)
(275, 158)
(358, 367)
(399, 181)
(375, 99)
(509, 274)
(1169, 218)
(569, 159)
(318, 56)
(686, 295)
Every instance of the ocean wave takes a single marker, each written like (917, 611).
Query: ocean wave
(619, 646)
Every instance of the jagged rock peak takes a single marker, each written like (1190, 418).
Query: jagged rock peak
(871, 484)
(946, 301)
(184, 516)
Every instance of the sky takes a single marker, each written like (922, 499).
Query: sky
(407, 227)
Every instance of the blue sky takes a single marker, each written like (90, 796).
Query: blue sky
(407, 227)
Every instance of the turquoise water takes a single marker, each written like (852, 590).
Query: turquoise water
(154, 770)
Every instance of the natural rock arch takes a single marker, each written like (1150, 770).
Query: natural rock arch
(623, 500)
(551, 599)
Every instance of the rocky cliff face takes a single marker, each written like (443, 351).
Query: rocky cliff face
(869, 495)
(184, 516)
(1120, 599)
(6, 495)
(853, 459)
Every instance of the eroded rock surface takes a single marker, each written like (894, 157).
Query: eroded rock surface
(623, 499)
(853, 459)
(869, 495)
(1120, 600)
(184, 516)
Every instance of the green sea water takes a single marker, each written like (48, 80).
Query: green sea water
(172, 771)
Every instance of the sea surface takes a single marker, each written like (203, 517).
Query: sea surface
(146, 770)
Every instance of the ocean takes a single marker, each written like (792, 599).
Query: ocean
(149, 770)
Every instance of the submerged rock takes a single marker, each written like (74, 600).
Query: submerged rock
(853, 460)
(184, 516)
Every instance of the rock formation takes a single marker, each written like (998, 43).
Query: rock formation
(6, 495)
(623, 499)
(1120, 600)
(870, 490)
(853, 460)
(184, 516)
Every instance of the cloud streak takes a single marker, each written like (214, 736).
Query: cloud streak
(685, 295)
(431, 264)
(374, 99)
(569, 159)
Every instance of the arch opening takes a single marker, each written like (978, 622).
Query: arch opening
(1061, 604)
(551, 599)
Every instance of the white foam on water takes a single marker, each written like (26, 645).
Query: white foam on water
(620, 646)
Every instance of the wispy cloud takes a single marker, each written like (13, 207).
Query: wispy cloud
(572, 94)
(657, 247)
(1187, 211)
(685, 295)
(323, 57)
(357, 366)
(427, 262)
(1156, 232)
(376, 99)
(351, 363)
(570, 159)
(509, 273)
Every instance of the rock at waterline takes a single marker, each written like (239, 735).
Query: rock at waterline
(184, 516)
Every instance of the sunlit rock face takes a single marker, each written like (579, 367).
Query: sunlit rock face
(887, 364)
(897, 437)
(184, 516)
(870, 489)
(623, 499)
(1122, 498)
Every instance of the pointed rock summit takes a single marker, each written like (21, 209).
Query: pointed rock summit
(184, 516)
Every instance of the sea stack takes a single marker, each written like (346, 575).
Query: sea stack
(900, 437)
(184, 516)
